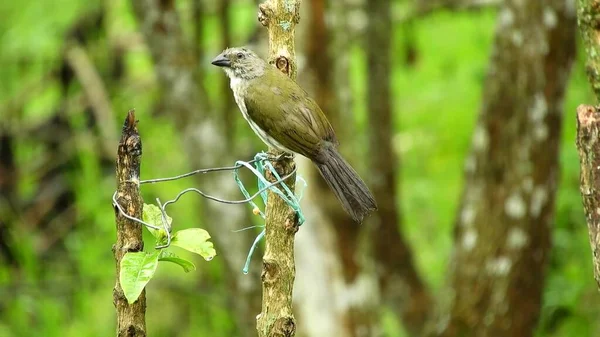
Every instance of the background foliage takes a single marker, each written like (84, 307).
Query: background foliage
(61, 282)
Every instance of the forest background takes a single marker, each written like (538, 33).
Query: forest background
(70, 70)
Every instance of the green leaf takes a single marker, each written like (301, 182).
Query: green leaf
(152, 215)
(170, 257)
(137, 269)
(196, 241)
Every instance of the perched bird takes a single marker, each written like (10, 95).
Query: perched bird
(280, 112)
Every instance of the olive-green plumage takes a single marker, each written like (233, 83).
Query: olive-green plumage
(283, 110)
(282, 114)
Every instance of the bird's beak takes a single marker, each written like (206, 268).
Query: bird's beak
(221, 61)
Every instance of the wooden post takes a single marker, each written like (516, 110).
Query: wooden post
(276, 319)
(131, 319)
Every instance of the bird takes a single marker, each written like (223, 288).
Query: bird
(284, 117)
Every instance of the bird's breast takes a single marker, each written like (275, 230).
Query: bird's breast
(238, 88)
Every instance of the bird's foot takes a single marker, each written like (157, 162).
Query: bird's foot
(282, 156)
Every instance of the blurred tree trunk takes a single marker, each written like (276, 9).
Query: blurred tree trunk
(229, 108)
(8, 196)
(204, 141)
(400, 285)
(502, 233)
(330, 235)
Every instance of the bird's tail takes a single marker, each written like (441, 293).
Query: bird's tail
(350, 190)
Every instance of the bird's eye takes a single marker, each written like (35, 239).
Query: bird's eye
(240, 55)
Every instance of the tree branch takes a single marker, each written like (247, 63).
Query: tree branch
(95, 92)
(229, 108)
(588, 145)
(276, 319)
(131, 320)
(588, 18)
(588, 126)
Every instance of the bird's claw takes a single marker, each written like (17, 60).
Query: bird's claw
(280, 157)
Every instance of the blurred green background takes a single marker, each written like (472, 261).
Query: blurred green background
(58, 277)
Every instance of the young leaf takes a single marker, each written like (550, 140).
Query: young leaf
(196, 241)
(170, 257)
(152, 215)
(136, 271)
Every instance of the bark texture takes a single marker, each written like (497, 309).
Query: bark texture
(588, 19)
(131, 318)
(276, 318)
(400, 285)
(588, 145)
(186, 101)
(588, 121)
(502, 233)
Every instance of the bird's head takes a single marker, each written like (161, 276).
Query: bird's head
(240, 63)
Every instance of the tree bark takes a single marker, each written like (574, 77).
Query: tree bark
(185, 99)
(502, 233)
(131, 319)
(588, 18)
(588, 123)
(400, 285)
(588, 134)
(276, 318)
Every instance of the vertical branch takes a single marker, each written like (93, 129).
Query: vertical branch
(276, 319)
(197, 45)
(588, 128)
(588, 145)
(228, 108)
(588, 19)
(96, 93)
(199, 15)
(400, 284)
(131, 321)
(319, 59)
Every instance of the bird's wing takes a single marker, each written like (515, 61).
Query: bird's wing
(284, 111)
